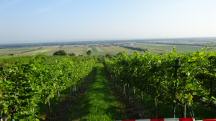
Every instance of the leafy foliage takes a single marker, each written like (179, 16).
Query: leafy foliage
(38, 80)
(172, 79)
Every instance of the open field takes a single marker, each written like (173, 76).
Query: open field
(76, 49)
(103, 49)
(161, 48)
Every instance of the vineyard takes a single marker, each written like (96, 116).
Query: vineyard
(168, 85)
(28, 83)
(135, 86)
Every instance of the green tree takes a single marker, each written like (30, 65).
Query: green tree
(89, 52)
(60, 53)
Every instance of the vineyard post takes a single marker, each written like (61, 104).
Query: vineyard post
(156, 107)
(0, 114)
(49, 108)
(185, 110)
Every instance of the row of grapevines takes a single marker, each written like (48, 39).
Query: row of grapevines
(24, 84)
(169, 79)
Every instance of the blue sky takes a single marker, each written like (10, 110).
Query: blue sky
(68, 20)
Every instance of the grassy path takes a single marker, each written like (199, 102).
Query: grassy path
(102, 104)
(95, 101)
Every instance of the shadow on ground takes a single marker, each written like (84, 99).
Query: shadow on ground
(93, 101)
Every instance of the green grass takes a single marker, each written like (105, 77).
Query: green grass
(102, 104)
